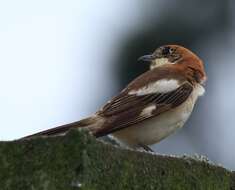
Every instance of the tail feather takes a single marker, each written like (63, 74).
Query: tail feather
(64, 128)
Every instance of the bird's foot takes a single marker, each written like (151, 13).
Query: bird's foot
(145, 147)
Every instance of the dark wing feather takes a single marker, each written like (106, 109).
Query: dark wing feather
(125, 110)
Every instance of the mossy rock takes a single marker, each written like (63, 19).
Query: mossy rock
(78, 161)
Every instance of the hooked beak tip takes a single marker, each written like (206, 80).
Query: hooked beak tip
(146, 58)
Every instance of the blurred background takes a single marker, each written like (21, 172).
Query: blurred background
(61, 60)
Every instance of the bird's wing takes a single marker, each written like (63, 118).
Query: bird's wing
(139, 102)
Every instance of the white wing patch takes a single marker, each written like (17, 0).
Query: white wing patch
(148, 110)
(161, 86)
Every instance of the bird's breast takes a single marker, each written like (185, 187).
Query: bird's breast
(157, 128)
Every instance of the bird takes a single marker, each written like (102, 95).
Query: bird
(151, 107)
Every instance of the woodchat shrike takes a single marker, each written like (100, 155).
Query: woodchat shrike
(152, 106)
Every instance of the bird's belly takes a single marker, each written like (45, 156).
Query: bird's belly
(157, 128)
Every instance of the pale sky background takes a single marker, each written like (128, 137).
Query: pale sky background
(56, 67)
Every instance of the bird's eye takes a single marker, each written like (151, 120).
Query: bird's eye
(171, 50)
(167, 50)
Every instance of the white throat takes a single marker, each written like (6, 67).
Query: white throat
(159, 62)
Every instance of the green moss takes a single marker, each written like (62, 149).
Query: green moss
(78, 161)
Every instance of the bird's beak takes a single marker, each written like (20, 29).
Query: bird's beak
(146, 58)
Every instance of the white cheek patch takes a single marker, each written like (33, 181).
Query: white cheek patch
(148, 110)
(159, 62)
(161, 86)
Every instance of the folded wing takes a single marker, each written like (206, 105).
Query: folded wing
(149, 100)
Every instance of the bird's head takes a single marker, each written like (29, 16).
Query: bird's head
(177, 55)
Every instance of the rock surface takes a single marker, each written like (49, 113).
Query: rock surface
(78, 161)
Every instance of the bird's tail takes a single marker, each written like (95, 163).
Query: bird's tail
(84, 123)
